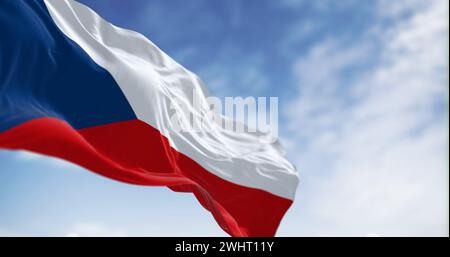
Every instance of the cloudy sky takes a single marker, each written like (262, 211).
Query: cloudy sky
(363, 93)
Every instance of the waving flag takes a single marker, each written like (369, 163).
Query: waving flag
(76, 87)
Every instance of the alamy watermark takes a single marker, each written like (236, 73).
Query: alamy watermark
(255, 115)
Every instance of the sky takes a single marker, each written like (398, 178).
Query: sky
(363, 93)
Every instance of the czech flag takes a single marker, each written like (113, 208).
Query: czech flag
(75, 87)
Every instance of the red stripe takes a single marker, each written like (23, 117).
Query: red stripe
(136, 153)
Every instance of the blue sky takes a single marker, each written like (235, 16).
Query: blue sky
(363, 94)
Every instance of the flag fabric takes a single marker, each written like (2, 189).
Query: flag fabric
(76, 87)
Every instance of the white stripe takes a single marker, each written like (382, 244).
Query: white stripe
(151, 80)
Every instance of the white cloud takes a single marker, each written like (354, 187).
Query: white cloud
(299, 32)
(233, 69)
(373, 146)
(30, 156)
(319, 5)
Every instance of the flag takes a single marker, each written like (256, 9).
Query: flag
(75, 87)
